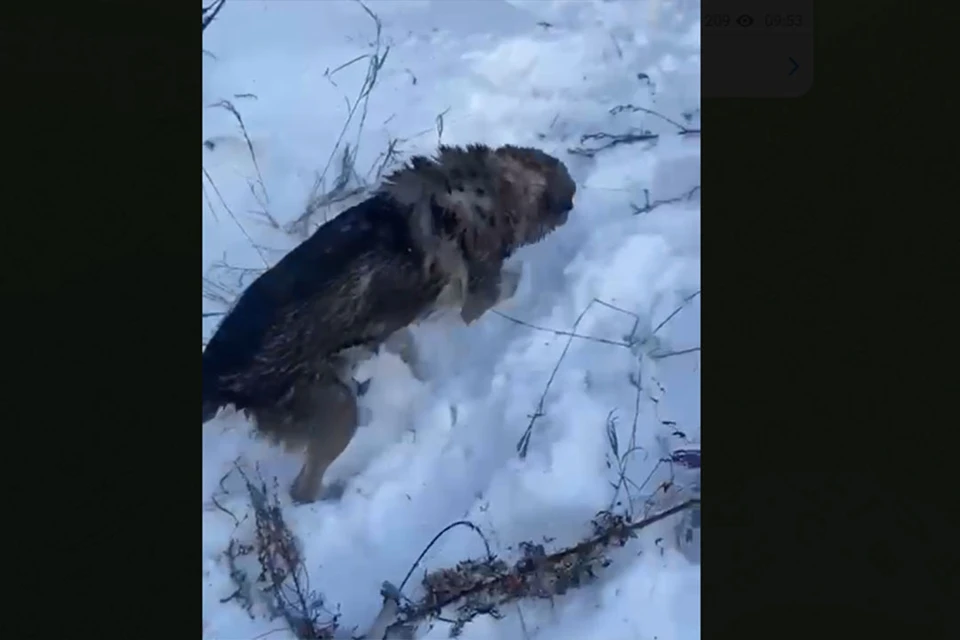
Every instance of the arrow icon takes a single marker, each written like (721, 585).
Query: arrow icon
(795, 66)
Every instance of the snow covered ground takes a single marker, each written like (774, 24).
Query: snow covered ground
(537, 73)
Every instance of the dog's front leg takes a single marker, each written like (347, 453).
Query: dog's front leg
(509, 282)
(487, 288)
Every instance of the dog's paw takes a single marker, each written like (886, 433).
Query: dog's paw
(333, 491)
(302, 493)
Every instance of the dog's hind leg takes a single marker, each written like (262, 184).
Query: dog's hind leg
(333, 421)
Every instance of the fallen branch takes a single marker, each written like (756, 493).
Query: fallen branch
(474, 586)
(486, 585)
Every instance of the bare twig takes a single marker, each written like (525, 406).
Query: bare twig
(636, 135)
(263, 199)
(436, 538)
(670, 354)
(650, 206)
(231, 280)
(206, 197)
(234, 218)
(621, 460)
(615, 140)
(384, 161)
(687, 300)
(632, 342)
(524, 441)
(376, 60)
(216, 292)
(638, 383)
(629, 107)
(439, 121)
(558, 332)
(210, 12)
(329, 73)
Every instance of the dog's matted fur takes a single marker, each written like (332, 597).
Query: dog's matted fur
(436, 234)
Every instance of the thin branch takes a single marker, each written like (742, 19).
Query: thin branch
(376, 62)
(234, 217)
(436, 538)
(614, 141)
(217, 292)
(670, 354)
(524, 441)
(206, 197)
(616, 343)
(673, 313)
(636, 407)
(629, 107)
(637, 135)
(210, 12)
(636, 318)
(226, 104)
(330, 73)
(650, 206)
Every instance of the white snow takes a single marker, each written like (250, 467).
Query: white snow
(436, 452)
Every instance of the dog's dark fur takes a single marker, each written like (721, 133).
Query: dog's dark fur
(435, 235)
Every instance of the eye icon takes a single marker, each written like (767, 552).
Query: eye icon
(744, 21)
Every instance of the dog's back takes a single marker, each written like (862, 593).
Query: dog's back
(355, 281)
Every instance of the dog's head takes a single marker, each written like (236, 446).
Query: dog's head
(514, 195)
(540, 190)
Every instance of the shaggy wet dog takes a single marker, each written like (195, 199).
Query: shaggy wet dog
(435, 235)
